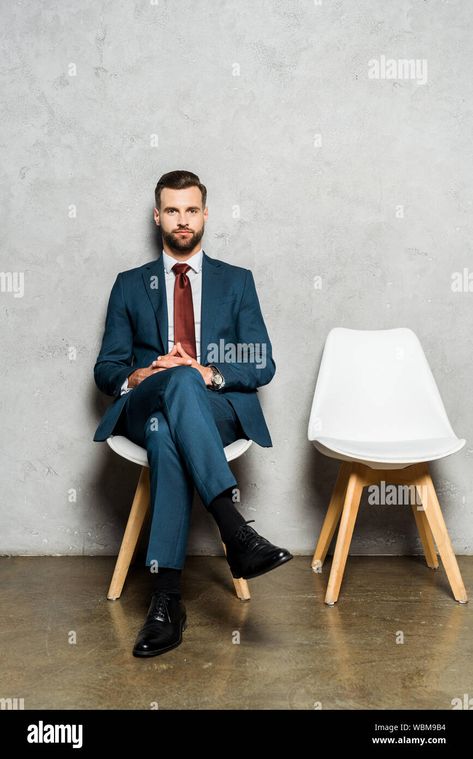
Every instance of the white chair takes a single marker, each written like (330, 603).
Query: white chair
(378, 410)
(128, 450)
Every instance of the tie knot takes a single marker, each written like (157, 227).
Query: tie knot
(180, 269)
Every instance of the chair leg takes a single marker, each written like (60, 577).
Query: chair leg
(242, 589)
(434, 517)
(345, 532)
(426, 537)
(332, 517)
(131, 536)
(241, 586)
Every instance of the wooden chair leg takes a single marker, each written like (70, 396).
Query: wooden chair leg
(131, 536)
(241, 586)
(423, 528)
(434, 516)
(345, 532)
(242, 589)
(332, 517)
(426, 537)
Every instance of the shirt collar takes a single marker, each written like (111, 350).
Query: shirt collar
(195, 261)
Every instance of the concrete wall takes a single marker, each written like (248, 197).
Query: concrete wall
(314, 169)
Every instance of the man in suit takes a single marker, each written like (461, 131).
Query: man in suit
(184, 350)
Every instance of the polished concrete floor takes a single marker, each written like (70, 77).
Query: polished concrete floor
(293, 651)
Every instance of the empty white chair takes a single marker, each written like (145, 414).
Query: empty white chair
(377, 409)
(138, 455)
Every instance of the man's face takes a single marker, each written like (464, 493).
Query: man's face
(181, 218)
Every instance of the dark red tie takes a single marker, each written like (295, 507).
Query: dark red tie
(184, 327)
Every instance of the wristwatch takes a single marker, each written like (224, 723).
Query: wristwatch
(217, 381)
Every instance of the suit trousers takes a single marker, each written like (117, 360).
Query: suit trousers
(184, 427)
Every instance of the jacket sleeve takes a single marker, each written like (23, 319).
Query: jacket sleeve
(115, 360)
(252, 341)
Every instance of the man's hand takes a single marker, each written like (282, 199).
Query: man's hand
(164, 362)
(205, 371)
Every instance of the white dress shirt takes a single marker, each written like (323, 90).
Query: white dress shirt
(195, 278)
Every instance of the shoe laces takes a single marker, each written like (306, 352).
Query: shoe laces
(160, 606)
(248, 536)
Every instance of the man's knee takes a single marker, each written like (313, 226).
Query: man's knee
(183, 376)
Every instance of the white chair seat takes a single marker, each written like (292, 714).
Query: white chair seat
(138, 455)
(376, 401)
(398, 453)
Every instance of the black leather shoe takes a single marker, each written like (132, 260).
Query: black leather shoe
(162, 630)
(250, 555)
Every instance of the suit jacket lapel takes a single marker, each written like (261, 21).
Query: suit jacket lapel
(211, 271)
(155, 286)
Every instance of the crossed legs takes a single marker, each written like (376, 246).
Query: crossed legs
(184, 428)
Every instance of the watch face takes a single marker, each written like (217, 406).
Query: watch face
(218, 379)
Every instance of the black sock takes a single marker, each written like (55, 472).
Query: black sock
(167, 580)
(226, 515)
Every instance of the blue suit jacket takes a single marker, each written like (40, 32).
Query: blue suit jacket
(136, 332)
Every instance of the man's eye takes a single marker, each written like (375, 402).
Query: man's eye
(193, 210)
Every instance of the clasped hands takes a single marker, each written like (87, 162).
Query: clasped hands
(177, 357)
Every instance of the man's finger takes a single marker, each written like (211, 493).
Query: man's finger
(167, 363)
(182, 351)
(178, 361)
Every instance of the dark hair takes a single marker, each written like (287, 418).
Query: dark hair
(179, 180)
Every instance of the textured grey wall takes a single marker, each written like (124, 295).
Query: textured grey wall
(314, 169)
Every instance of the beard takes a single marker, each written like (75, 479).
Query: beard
(182, 244)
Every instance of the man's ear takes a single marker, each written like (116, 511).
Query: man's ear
(156, 216)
